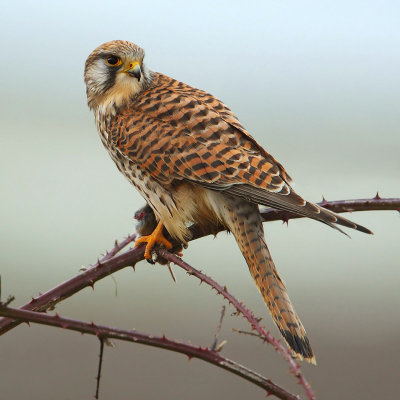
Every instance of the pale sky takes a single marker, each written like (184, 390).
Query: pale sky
(317, 84)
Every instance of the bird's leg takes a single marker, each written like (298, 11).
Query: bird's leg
(156, 237)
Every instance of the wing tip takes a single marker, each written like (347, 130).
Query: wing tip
(363, 229)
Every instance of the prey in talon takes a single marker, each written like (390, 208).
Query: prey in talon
(147, 224)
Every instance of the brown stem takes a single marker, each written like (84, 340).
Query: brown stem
(100, 270)
(111, 263)
(339, 206)
(98, 377)
(202, 353)
(254, 322)
(118, 247)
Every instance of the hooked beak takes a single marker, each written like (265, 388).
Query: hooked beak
(134, 70)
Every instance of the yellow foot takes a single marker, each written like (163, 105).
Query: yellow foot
(156, 237)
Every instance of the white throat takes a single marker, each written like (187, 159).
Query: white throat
(124, 88)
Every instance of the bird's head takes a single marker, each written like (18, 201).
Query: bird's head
(114, 73)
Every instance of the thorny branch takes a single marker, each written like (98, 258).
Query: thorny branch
(112, 262)
(242, 309)
(102, 332)
(338, 206)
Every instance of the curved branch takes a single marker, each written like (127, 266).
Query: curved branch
(102, 268)
(254, 322)
(111, 262)
(202, 353)
(338, 206)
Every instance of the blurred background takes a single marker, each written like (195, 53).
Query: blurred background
(317, 83)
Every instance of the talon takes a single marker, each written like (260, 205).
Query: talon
(156, 237)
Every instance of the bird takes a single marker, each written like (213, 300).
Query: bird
(194, 163)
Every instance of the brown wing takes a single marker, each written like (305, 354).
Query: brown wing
(177, 132)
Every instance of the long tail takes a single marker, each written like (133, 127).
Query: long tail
(245, 223)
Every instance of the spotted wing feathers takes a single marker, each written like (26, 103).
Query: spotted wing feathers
(177, 132)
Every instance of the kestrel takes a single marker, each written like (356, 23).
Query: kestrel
(193, 162)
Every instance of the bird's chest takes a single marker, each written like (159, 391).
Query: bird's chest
(176, 204)
(140, 178)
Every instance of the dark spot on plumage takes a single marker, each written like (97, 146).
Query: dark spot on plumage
(214, 136)
(202, 113)
(191, 157)
(164, 167)
(229, 171)
(216, 163)
(166, 113)
(276, 180)
(285, 190)
(246, 175)
(164, 148)
(152, 108)
(206, 155)
(258, 181)
(252, 169)
(232, 141)
(200, 126)
(223, 152)
(187, 172)
(163, 200)
(147, 184)
(263, 175)
(214, 121)
(154, 144)
(243, 165)
(210, 176)
(191, 104)
(212, 145)
(262, 162)
(199, 166)
(144, 154)
(146, 100)
(186, 117)
(178, 162)
(267, 274)
(233, 158)
(151, 167)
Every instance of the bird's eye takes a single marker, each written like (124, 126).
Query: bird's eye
(113, 61)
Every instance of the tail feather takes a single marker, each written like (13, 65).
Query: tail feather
(246, 225)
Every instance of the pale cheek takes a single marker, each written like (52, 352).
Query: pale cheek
(98, 76)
